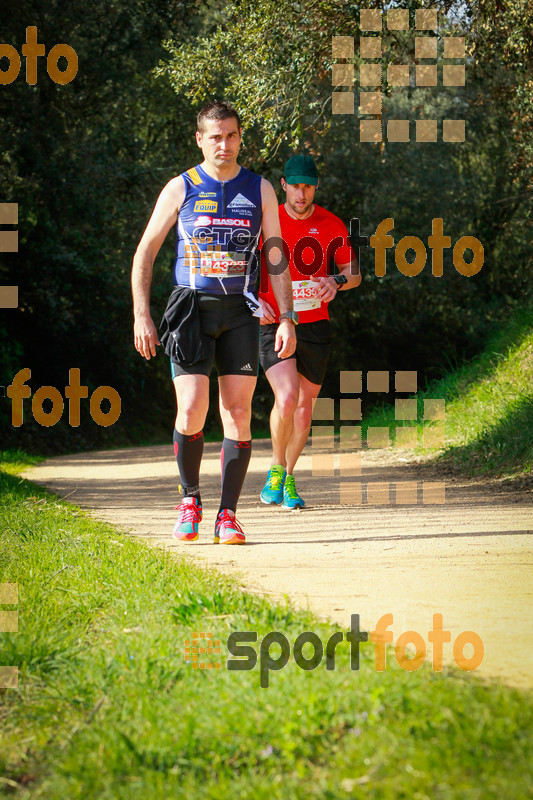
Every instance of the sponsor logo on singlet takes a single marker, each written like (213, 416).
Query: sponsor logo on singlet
(235, 223)
(240, 201)
(203, 206)
(207, 194)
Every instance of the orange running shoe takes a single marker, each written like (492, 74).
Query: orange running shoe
(190, 516)
(227, 529)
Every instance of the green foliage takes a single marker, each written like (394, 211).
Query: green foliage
(86, 161)
(271, 59)
(503, 38)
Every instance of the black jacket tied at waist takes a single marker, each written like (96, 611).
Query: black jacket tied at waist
(181, 335)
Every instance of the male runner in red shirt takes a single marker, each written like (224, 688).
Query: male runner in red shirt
(313, 237)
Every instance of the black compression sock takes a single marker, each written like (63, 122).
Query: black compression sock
(234, 457)
(188, 450)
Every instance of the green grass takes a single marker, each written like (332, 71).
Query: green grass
(489, 405)
(14, 461)
(107, 707)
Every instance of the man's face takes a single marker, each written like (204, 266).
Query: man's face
(219, 141)
(300, 196)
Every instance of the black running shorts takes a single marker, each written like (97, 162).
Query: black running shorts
(231, 336)
(313, 345)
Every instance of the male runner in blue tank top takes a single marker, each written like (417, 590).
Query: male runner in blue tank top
(219, 210)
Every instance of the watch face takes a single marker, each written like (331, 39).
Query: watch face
(341, 279)
(291, 315)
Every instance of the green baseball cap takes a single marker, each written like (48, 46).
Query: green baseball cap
(301, 169)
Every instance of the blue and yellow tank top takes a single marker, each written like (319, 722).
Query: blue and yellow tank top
(217, 233)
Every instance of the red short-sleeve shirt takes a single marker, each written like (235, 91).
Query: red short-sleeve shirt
(312, 243)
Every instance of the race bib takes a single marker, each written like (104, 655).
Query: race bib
(304, 295)
(221, 266)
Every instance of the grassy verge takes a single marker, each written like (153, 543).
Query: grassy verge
(489, 405)
(108, 708)
(14, 461)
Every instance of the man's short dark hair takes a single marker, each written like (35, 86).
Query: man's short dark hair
(218, 110)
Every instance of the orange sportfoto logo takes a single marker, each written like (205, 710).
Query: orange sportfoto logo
(32, 50)
(74, 391)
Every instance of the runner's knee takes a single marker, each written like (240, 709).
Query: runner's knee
(303, 416)
(190, 420)
(286, 403)
(238, 413)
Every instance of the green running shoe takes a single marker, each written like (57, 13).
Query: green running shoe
(291, 498)
(272, 491)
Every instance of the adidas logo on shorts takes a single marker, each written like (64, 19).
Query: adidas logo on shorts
(247, 368)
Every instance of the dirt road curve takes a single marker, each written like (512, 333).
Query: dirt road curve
(469, 559)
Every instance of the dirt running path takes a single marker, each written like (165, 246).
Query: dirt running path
(469, 559)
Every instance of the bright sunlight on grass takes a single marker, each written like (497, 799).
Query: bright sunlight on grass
(489, 404)
(107, 706)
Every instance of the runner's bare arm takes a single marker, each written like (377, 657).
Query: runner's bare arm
(163, 218)
(278, 269)
(327, 288)
(352, 273)
(269, 317)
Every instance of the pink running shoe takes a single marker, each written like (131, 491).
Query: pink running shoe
(227, 529)
(186, 528)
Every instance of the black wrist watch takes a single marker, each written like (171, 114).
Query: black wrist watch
(340, 280)
(290, 315)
